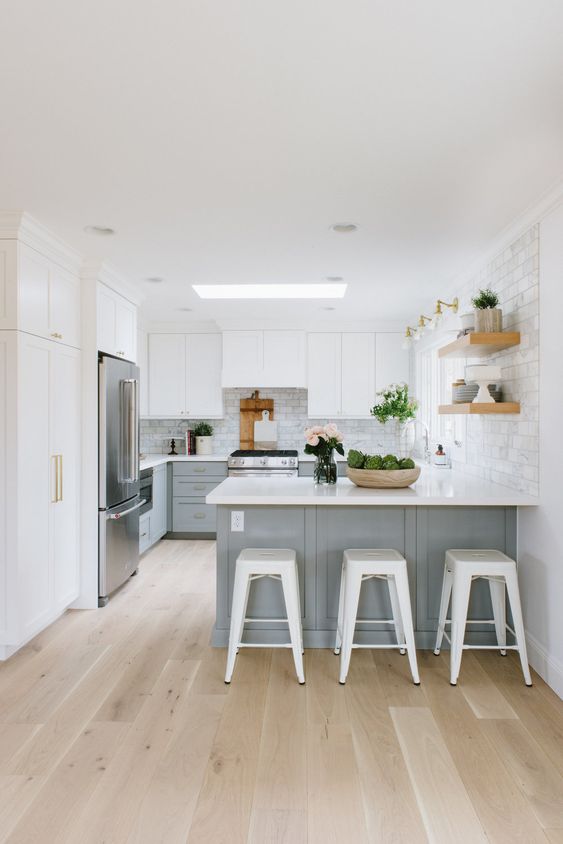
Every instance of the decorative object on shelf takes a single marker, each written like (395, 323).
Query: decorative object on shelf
(462, 392)
(467, 322)
(203, 433)
(322, 442)
(396, 407)
(251, 411)
(172, 451)
(483, 376)
(190, 442)
(378, 472)
(440, 456)
(488, 317)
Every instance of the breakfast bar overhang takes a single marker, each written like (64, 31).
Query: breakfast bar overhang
(442, 510)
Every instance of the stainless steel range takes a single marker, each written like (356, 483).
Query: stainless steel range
(263, 464)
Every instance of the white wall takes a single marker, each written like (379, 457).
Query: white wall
(541, 529)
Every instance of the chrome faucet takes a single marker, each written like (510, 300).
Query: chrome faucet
(427, 455)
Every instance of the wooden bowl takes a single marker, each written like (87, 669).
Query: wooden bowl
(383, 478)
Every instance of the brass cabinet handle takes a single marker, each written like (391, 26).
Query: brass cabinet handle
(199, 515)
(199, 486)
(61, 477)
(199, 469)
(58, 458)
(56, 335)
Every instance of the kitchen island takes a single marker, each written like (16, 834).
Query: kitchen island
(444, 509)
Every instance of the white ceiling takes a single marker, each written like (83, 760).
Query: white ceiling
(222, 139)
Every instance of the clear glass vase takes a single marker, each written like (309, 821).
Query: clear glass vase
(325, 470)
(401, 440)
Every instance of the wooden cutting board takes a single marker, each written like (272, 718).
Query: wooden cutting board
(251, 412)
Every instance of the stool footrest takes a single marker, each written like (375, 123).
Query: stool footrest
(266, 620)
(263, 645)
(490, 647)
(382, 647)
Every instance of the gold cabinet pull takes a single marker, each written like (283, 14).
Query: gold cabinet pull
(58, 458)
(60, 477)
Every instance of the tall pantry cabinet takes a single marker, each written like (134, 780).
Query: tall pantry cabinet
(40, 423)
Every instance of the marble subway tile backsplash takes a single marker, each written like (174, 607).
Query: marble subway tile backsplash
(290, 412)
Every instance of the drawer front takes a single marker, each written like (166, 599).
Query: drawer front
(144, 532)
(193, 518)
(193, 487)
(204, 469)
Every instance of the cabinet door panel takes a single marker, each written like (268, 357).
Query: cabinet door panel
(36, 484)
(65, 441)
(358, 373)
(159, 512)
(391, 360)
(284, 359)
(167, 375)
(324, 374)
(64, 306)
(143, 364)
(243, 358)
(204, 395)
(125, 329)
(106, 320)
(33, 292)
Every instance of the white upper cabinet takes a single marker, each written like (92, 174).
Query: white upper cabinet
(185, 376)
(358, 373)
(392, 361)
(48, 298)
(346, 369)
(243, 358)
(264, 359)
(324, 374)
(167, 375)
(117, 324)
(204, 396)
(143, 364)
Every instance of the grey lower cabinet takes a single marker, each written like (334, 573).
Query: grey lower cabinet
(158, 514)
(319, 535)
(191, 482)
(144, 532)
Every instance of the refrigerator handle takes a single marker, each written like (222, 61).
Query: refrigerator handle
(130, 429)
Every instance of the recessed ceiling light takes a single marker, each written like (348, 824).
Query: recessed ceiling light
(270, 291)
(333, 277)
(154, 279)
(344, 228)
(185, 310)
(328, 309)
(103, 231)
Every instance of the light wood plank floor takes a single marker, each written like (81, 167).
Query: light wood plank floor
(116, 726)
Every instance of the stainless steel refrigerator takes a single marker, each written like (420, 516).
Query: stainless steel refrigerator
(119, 498)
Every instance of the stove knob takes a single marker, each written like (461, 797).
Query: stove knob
(292, 461)
(263, 461)
(284, 462)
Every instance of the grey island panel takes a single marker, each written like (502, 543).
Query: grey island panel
(321, 534)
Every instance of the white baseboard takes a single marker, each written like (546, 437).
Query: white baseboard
(549, 668)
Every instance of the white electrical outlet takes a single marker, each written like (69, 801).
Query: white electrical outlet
(237, 520)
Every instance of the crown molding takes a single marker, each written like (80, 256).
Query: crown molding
(18, 225)
(107, 274)
(533, 215)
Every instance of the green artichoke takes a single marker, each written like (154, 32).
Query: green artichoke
(374, 461)
(407, 463)
(390, 462)
(356, 459)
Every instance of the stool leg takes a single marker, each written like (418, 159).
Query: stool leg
(404, 599)
(299, 606)
(498, 600)
(444, 604)
(396, 610)
(294, 622)
(516, 607)
(461, 590)
(238, 612)
(338, 641)
(351, 600)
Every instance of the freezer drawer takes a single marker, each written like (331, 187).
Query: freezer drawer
(119, 545)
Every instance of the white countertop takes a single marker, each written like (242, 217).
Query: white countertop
(149, 461)
(437, 487)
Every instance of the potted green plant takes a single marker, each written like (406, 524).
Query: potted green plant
(488, 317)
(203, 433)
(395, 405)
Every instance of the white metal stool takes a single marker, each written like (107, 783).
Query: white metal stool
(253, 564)
(361, 564)
(461, 568)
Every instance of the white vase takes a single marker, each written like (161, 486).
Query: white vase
(204, 445)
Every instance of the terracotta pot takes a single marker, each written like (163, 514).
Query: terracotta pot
(488, 319)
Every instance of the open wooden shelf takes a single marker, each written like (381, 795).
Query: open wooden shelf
(477, 407)
(480, 344)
